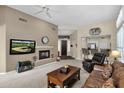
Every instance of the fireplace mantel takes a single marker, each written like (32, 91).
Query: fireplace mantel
(44, 47)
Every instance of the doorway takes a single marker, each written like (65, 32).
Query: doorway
(64, 48)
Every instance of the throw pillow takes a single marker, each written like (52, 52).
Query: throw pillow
(108, 84)
(106, 74)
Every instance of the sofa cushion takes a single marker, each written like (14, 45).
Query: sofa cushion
(107, 72)
(121, 83)
(108, 84)
(95, 80)
(93, 83)
(117, 65)
(108, 67)
(117, 75)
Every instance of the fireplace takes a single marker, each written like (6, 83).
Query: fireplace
(43, 54)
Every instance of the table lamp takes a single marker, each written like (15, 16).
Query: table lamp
(115, 54)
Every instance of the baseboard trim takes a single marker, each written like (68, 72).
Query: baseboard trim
(3, 73)
(78, 59)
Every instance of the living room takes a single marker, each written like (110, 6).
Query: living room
(24, 26)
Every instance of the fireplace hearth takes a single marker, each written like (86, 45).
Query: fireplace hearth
(43, 54)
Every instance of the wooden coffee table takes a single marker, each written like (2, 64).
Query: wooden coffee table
(57, 78)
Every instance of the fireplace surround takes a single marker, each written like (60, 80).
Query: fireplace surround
(43, 54)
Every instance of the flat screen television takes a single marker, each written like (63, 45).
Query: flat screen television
(18, 46)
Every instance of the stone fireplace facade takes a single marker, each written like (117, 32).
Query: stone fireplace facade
(44, 54)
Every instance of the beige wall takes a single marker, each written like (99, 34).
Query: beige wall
(107, 28)
(73, 41)
(2, 40)
(33, 29)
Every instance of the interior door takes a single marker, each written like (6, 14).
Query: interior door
(64, 48)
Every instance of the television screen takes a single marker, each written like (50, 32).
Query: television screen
(22, 46)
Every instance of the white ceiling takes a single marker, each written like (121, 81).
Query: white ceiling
(70, 17)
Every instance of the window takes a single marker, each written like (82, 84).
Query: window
(120, 42)
(119, 19)
(120, 33)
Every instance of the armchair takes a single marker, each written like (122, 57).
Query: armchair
(98, 59)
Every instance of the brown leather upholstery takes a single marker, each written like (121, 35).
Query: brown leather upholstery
(96, 80)
(121, 83)
(118, 74)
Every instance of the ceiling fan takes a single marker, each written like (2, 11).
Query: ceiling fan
(44, 10)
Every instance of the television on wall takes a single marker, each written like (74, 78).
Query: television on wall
(18, 46)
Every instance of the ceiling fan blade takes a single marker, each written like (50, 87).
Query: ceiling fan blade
(44, 10)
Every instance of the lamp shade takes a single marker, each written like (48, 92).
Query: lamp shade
(115, 54)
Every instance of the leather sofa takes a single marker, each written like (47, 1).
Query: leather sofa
(118, 74)
(98, 59)
(96, 80)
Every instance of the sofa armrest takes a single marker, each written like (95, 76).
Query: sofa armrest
(98, 68)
